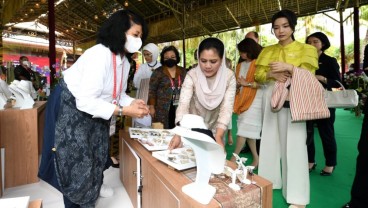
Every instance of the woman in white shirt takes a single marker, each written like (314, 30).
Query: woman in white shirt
(150, 54)
(81, 110)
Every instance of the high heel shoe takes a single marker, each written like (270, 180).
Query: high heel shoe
(313, 167)
(325, 173)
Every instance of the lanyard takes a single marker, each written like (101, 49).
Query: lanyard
(114, 94)
(173, 84)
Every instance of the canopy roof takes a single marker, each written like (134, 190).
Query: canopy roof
(168, 20)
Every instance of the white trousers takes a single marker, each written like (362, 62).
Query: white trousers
(285, 140)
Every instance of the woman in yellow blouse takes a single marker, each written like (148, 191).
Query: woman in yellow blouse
(281, 138)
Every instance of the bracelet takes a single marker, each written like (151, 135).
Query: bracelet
(120, 112)
(326, 79)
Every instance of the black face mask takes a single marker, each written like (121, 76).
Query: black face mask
(170, 62)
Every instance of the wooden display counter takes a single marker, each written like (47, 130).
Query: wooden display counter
(21, 134)
(160, 186)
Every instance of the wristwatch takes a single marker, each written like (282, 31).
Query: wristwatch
(120, 112)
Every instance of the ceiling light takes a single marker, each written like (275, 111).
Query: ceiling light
(67, 30)
(37, 5)
(31, 10)
(43, 1)
(126, 3)
(96, 17)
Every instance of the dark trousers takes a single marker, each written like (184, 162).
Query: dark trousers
(359, 189)
(327, 134)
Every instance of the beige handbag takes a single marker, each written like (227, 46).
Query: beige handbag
(345, 98)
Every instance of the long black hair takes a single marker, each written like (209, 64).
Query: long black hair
(112, 32)
(289, 15)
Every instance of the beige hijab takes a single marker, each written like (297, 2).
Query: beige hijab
(210, 98)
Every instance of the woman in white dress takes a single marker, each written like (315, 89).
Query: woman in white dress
(248, 99)
(150, 53)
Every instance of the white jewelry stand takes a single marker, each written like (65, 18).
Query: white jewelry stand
(18, 97)
(26, 89)
(22, 91)
(210, 158)
(27, 100)
(2, 102)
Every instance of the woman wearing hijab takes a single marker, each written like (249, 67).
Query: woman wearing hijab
(165, 87)
(208, 91)
(150, 54)
(83, 106)
(327, 74)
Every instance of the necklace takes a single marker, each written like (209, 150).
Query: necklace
(153, 65)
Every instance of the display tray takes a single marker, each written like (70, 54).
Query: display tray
(154, 144)
(179, 159)
(138, 133)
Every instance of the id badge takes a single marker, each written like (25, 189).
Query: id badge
(176, 97)
(112, 125)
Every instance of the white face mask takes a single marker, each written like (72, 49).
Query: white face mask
(132, 44)
(26, 63)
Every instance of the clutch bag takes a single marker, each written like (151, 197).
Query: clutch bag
(345, 98)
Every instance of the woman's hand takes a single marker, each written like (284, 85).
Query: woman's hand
(321, 79)
(219, 141)
(152, 111)
(137, 109)
(278, 66)
(279, 76)
(242, 82)
(175, 142)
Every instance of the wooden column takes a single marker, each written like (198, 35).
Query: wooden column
(356, 40)
(342, 46)
(52, 41)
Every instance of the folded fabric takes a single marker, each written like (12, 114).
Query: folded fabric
(306, 96)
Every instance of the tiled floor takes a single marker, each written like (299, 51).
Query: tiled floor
(53, 199)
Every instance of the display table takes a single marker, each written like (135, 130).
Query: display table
(21, 134)
(151, 183)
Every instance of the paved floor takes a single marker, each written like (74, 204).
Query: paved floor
(53, 199)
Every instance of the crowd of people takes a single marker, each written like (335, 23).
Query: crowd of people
(266, 90)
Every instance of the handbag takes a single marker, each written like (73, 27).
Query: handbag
(345, 98)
